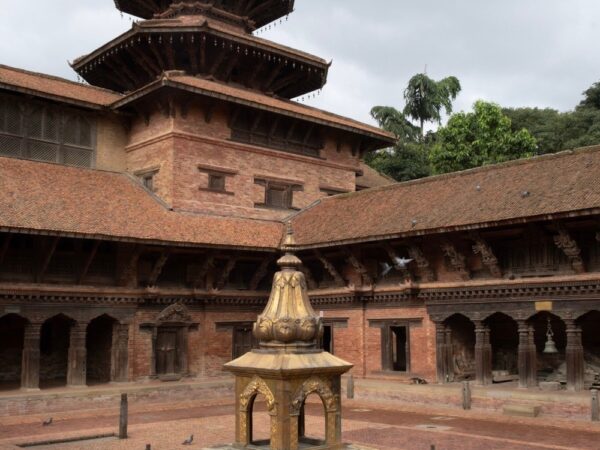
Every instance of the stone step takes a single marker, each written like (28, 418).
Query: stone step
(521, 410)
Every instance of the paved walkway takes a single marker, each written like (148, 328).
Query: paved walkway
(374, 425)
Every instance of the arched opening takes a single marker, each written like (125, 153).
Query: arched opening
(590, 338)
(551, 367)
(54, 351)
(12, 332)
(311, 421)
(260, 421)
(462, 332)
(99, 344)
(504, 339)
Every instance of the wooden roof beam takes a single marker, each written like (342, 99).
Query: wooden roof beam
(330, 268)
(260, 273)
(5, 247)
(47, 258)
(159, 264)
(88, 262)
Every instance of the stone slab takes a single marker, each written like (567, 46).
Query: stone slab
(521, 410)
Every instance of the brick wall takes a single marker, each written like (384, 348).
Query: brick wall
(111, 139)
(178, 145)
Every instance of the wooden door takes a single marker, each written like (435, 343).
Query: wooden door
(243, 340)
(166, 351)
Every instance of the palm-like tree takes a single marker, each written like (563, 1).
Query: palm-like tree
(425, 98)
(394, 121)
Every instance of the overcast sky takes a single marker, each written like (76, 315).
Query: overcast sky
(514, 52)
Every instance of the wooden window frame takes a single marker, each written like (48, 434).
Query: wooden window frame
(145, 174)
(62, 114)
(288, 186)
(386, 326)
(216, 172)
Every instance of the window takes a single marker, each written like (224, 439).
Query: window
(395, 343)
(327, 338)
(217, 179)
(44, 132)
(278, 194)
(216, 182)
(268, 130)
(243, 340)
(148, 178)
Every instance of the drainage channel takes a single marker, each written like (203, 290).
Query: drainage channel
(60, 443)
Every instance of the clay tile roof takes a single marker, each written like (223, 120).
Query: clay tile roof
(556, 185)
(49, 198)
(370, 178)
(258, 100)
(54, 87)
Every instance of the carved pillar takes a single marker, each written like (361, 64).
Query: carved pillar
(30, 366)
(76, 369)
(574, 356)
(442, 357)
(483, 354)
(120, 353)
(527, 356)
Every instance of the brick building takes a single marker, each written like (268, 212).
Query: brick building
(141, 216)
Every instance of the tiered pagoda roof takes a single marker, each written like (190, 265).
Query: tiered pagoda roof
(261, 12)
(202, 40)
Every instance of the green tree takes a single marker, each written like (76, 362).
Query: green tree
(546, 125)
(425, 98)
(405, 161)
(481, 137)
(591, 97)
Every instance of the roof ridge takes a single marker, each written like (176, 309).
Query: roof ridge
(57, 78)
(481, 169)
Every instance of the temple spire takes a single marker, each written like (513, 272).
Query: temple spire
(289, 322)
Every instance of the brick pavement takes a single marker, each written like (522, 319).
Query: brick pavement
(374, 425)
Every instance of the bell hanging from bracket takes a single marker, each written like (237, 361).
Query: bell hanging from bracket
(550, 348)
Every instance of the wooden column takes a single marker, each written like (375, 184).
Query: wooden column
(574, 356)
(76, 370)
(30, 365)
(441, 351)
(120, 353)
(483, 354)
(182, 350)
(527, 356)
(153, 363)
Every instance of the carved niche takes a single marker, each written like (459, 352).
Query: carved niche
(310, 386)
(176, 313)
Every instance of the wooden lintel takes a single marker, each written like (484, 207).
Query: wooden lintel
(5, 247)
(88, 262)
(47, 258)
(284, 82)
(158, 267)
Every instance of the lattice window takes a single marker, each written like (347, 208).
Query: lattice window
(267, 130)
(43, 132)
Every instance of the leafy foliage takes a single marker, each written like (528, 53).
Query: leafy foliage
(406, 160)
(481, 137)
(425, 98)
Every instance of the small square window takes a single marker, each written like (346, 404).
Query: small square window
(147, 180)
(216, 182)
(278, 196)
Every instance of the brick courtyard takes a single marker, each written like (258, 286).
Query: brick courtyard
(380, 425)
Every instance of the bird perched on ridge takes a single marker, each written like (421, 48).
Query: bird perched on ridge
(47, 422)
(189, 440)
